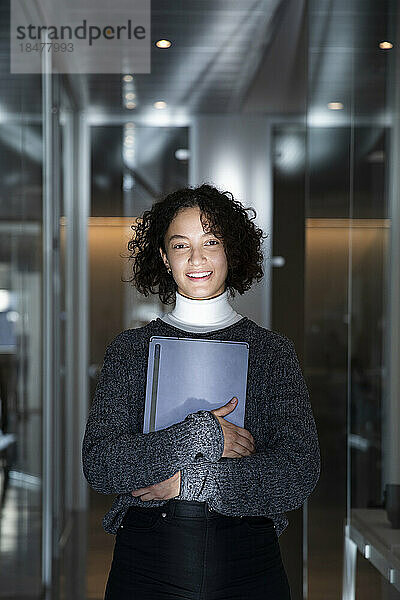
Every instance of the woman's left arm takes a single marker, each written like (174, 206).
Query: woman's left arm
(280, 477)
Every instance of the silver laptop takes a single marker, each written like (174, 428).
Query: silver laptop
(185, 375)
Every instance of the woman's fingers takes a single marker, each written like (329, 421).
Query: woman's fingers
(238, 441)
(244, 438)
(242, 444)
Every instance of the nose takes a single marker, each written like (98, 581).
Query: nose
(197, 257)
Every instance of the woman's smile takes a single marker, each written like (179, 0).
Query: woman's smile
(199, 276)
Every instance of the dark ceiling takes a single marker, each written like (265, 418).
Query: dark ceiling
(234, 56)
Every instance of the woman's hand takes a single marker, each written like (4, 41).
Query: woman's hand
(161, 491)
(238, 441)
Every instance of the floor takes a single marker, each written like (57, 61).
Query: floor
(20, 553)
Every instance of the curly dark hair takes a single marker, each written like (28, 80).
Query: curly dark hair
(227, 220)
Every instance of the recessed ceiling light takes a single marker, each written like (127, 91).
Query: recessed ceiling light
(5, 300)
(163, 44)
(127, 77)
(335, 105)
(130, 96)
(182, 154)
(130, 105)
(160, 104)
(385, 45)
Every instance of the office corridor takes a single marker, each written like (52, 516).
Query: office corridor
(290, 106)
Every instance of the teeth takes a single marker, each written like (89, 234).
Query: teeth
(198, 275)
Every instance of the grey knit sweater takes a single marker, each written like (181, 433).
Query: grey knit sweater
(118, 458)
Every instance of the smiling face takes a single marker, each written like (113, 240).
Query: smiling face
(190, 250)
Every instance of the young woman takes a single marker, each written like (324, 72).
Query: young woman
(200, 504)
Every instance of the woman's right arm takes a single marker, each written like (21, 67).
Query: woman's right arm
(117, 460)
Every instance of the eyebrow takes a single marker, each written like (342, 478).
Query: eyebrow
(185, 237)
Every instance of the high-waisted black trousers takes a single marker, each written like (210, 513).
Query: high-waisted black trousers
(186, 551)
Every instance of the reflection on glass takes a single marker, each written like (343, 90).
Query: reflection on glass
(20, 350)
(347, 291)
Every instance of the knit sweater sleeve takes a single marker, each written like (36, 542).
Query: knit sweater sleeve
(283, 474)
(117, 459)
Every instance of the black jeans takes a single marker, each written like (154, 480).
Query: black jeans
(185, 551)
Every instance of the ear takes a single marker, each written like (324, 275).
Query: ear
(164, 257)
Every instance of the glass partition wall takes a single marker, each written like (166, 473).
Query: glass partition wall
(34, 320)
(351, 331)
(21, 142)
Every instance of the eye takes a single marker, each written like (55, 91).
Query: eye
(181, 245)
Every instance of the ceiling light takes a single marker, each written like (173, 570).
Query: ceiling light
(12, 316)
(385, 45)
(163, 44)
(160, 104)
(127, 182)
(127, 77)
(182, 154)
(130, 105)
(130, 96)
(5, 300)
(289, 155)
(335, 105)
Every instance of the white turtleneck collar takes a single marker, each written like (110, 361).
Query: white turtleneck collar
(202, 315)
